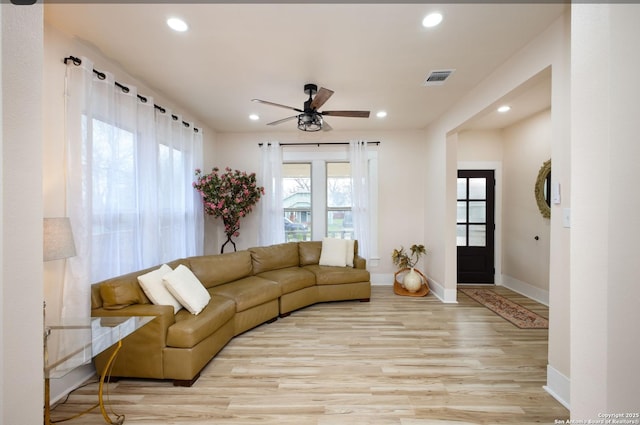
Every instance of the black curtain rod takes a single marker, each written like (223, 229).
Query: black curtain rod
(318, 143)
(101, 75)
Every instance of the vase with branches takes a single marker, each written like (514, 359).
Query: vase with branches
(407, 260)
(230, 196)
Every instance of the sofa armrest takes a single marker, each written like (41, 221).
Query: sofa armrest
(359, 262)
(155, 330)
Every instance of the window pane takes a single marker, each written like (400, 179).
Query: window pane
(477, 212)
(462, 188)
(477, 235)
(339, 224)
(462, 212)
(477, 188)
(461, 235)
(296, 192)
(338, 185)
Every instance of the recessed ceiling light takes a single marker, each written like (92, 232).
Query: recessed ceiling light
(254, 117)
(504, 108)
(432, 20)
(381, 114)
(177, 24)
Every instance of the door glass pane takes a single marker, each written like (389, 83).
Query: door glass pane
(477, 235)
(462, 212)
(477, 212)
(461, 235)
(462, 188)
(477, 188)
(296, 199)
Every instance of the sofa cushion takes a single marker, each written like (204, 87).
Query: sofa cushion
(189, 329)
(249, 292)
(309, 252)
(187, 289)
(117, 294)
(328, 275)
(274, 257)
(152, 284)
(334, 252)
(214, 270)
(291, 279)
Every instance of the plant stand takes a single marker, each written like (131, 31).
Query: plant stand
(232, 243)
(399, 290)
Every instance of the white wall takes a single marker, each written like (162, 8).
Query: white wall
(401, 172)
(525, 262)
(548, 49)
(605, 294)
(21, 294)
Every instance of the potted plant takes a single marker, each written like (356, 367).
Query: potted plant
(406, 260)
(230, 195)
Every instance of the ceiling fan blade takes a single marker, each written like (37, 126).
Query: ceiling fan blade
(321, 97)
(326, 126)
(282, 120)
(354, 114)
(277, 104)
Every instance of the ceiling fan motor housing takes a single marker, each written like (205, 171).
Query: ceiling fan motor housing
(310, 89)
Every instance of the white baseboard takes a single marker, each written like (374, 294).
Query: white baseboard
(444, 295)
(62, 386)
(558, 386)
(526, 289)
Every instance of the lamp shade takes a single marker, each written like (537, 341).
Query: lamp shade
(58, 239)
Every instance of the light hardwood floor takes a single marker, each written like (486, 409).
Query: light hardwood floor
(395, 360)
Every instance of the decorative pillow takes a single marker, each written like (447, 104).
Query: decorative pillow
(334, 252)
(154, 288)
(187, 289)
(351, 247)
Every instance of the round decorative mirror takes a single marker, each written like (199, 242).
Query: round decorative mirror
(543, 189)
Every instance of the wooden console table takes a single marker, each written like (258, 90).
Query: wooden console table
(73, 343)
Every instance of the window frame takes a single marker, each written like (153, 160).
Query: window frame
(318, 157)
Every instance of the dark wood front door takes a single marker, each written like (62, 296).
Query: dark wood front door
(476, 226)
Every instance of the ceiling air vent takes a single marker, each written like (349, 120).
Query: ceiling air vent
(437, 78)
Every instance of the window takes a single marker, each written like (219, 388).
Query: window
(296, 192)
(339, 219)
(322, 177)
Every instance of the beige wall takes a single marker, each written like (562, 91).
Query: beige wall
(517, 151)
(527, 145)
(605, 293)
(21, 293)
(549, 49)
(401, 184)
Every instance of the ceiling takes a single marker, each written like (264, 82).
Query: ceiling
(374, 56)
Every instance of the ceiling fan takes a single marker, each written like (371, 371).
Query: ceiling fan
(309, 118)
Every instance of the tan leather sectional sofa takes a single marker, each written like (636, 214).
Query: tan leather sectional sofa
(247, 288)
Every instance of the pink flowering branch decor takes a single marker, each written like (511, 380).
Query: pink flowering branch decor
(230, 195)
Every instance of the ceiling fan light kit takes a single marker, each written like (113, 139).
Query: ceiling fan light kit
(309, 118)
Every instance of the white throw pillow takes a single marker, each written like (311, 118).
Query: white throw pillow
(351, 246)
(333, 253)
(187, 289)
(153, 286)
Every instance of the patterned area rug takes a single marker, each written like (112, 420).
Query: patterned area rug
(513, 312)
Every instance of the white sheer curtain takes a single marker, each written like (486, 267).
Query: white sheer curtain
(129, 173)
(358, 156)
(271, 210)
